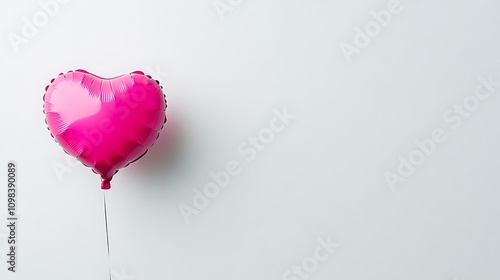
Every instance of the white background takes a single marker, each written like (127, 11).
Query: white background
(322, 176)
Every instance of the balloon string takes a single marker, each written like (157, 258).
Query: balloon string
(107, 233)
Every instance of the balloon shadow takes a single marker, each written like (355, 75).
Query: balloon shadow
(166, 157)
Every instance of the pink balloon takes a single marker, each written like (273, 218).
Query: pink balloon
(105, 123)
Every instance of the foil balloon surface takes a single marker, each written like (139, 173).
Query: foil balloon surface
(106, 123)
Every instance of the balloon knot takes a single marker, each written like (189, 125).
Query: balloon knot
(105, 184)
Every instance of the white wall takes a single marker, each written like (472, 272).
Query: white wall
(323, 175)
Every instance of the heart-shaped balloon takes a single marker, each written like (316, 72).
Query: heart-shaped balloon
(105, 123)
